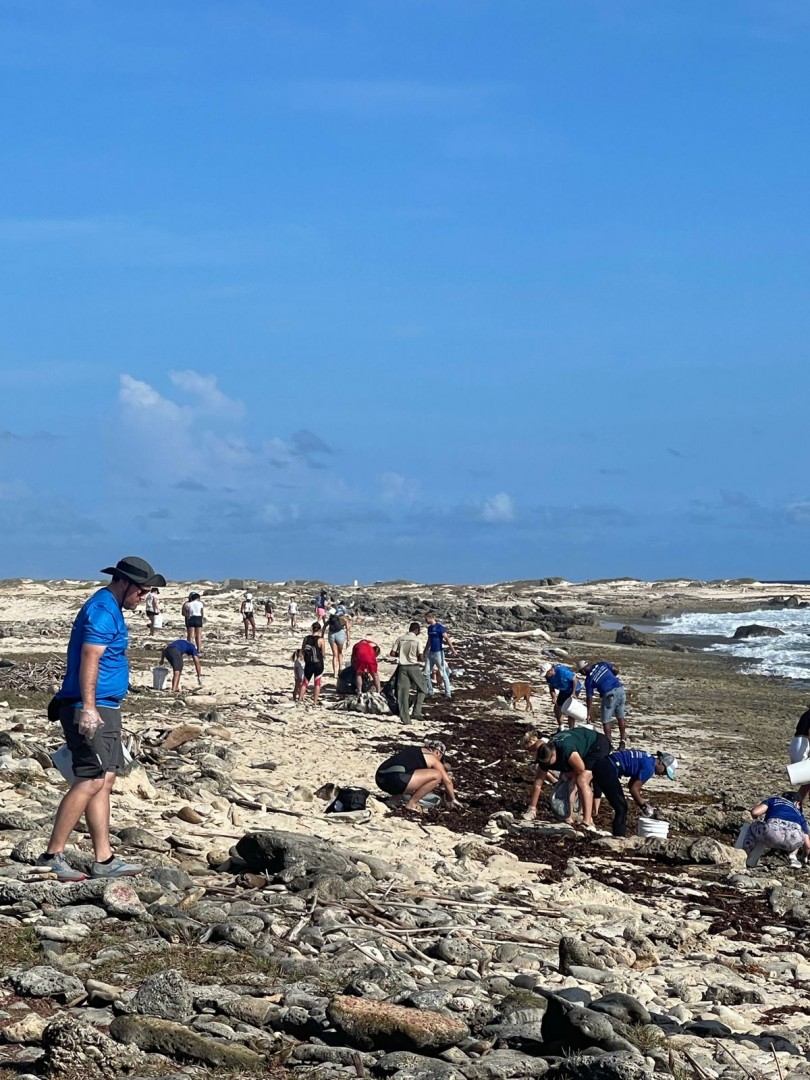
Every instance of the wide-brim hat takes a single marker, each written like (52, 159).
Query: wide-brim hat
(136, 570)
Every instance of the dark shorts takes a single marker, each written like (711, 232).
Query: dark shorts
(248, 616)
(175, 658)
(194, 621)
(312, 671)
(394, 782)
(103, 754)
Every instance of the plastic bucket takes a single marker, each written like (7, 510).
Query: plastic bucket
(159, 677)
(574, 709)
(653, 827)
(743, 835)
(799, 772)
(157, 621)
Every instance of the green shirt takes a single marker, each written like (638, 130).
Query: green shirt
(579, 740)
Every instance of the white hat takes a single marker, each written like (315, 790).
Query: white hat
(248, 595)
(549, 668)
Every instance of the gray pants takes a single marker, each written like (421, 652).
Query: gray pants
(410, 675)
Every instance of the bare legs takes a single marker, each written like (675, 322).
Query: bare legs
(91, 798)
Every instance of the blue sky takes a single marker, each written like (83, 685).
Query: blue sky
(443, 289)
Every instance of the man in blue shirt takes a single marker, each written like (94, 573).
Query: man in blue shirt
(89, 709)
(434, 655)
(174, 653)
(603, 678)
(562, 683)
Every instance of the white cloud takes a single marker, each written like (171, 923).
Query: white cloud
(208, 394)
(498, 509)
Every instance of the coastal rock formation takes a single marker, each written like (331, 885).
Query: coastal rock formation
(756, 630)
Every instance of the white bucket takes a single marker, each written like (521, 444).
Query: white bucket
(159, 677)
(799, 772)
(157, 621)
(743, 834)
(574, 709)
(648, 826)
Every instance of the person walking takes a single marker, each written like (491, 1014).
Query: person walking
(152, 608)
(312, 648)
(269, 611)
(562, 684)
(88, 706)
(338, 630)
(409, 673)
(248, 615)
(437, 638)
(193, 613)
(292, 612)
(603, 678)
(320, 605)
(173, 655)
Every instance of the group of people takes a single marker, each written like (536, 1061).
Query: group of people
(601, 678)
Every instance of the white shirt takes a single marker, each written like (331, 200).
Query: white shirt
(293, 608)
(194, 607)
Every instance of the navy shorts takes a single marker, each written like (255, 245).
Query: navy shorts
(102, 754)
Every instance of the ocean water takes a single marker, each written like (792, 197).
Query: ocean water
(787, 657)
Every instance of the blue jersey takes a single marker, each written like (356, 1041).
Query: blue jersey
(562, 680)
(435, 636)
(601, 677)
(99, 622)
(785, 811)
(634, 764)
(184, 646)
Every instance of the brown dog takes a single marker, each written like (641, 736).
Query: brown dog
(520, 691)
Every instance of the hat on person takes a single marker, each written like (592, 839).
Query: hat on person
(136, 570)
(248, 595)
(550, 668)
(670, 763)
(583, 667)
(436, 744)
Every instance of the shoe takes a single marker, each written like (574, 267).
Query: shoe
(59, 865)
(793, 862)
(115, 869)
(590, 828)
(430, 801)
(622, 745)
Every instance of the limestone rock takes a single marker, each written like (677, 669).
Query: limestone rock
(155, 1035)
(120, 898)
(75, 1048)
(167, 995)
(628, 635)
(381, 1025)
(27, 1031)
(755, 630)
(43, 981)
(134, 836)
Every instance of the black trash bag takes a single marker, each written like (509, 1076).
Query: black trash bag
(348, 799)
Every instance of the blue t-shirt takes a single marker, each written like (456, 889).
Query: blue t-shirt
(601, 677)
(634, 764)
(785, 811)
(99, 622)
(184, 646)
(563, 679)
(435, 636)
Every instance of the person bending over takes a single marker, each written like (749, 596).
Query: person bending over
(604, 679)
(562, 684)
(638, 767)
(414, 772)
(780, 826)
(364, 662)
(585, 754)
(173, 654)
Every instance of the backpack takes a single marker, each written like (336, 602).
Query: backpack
(335, 624)
(347, 800)
(312, 654)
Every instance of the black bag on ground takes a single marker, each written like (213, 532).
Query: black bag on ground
(347, 800)
(345, 681)
(389, 692)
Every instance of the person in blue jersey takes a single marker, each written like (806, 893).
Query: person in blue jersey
(637, 767)
(437, 638)
(603, 678)
(174, 652)
(562, 684)
(779, 826)
(88, 707)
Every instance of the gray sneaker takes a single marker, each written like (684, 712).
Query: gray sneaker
(115, 869)
(59, 865)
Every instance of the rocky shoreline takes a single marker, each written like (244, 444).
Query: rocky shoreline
(266, 937)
